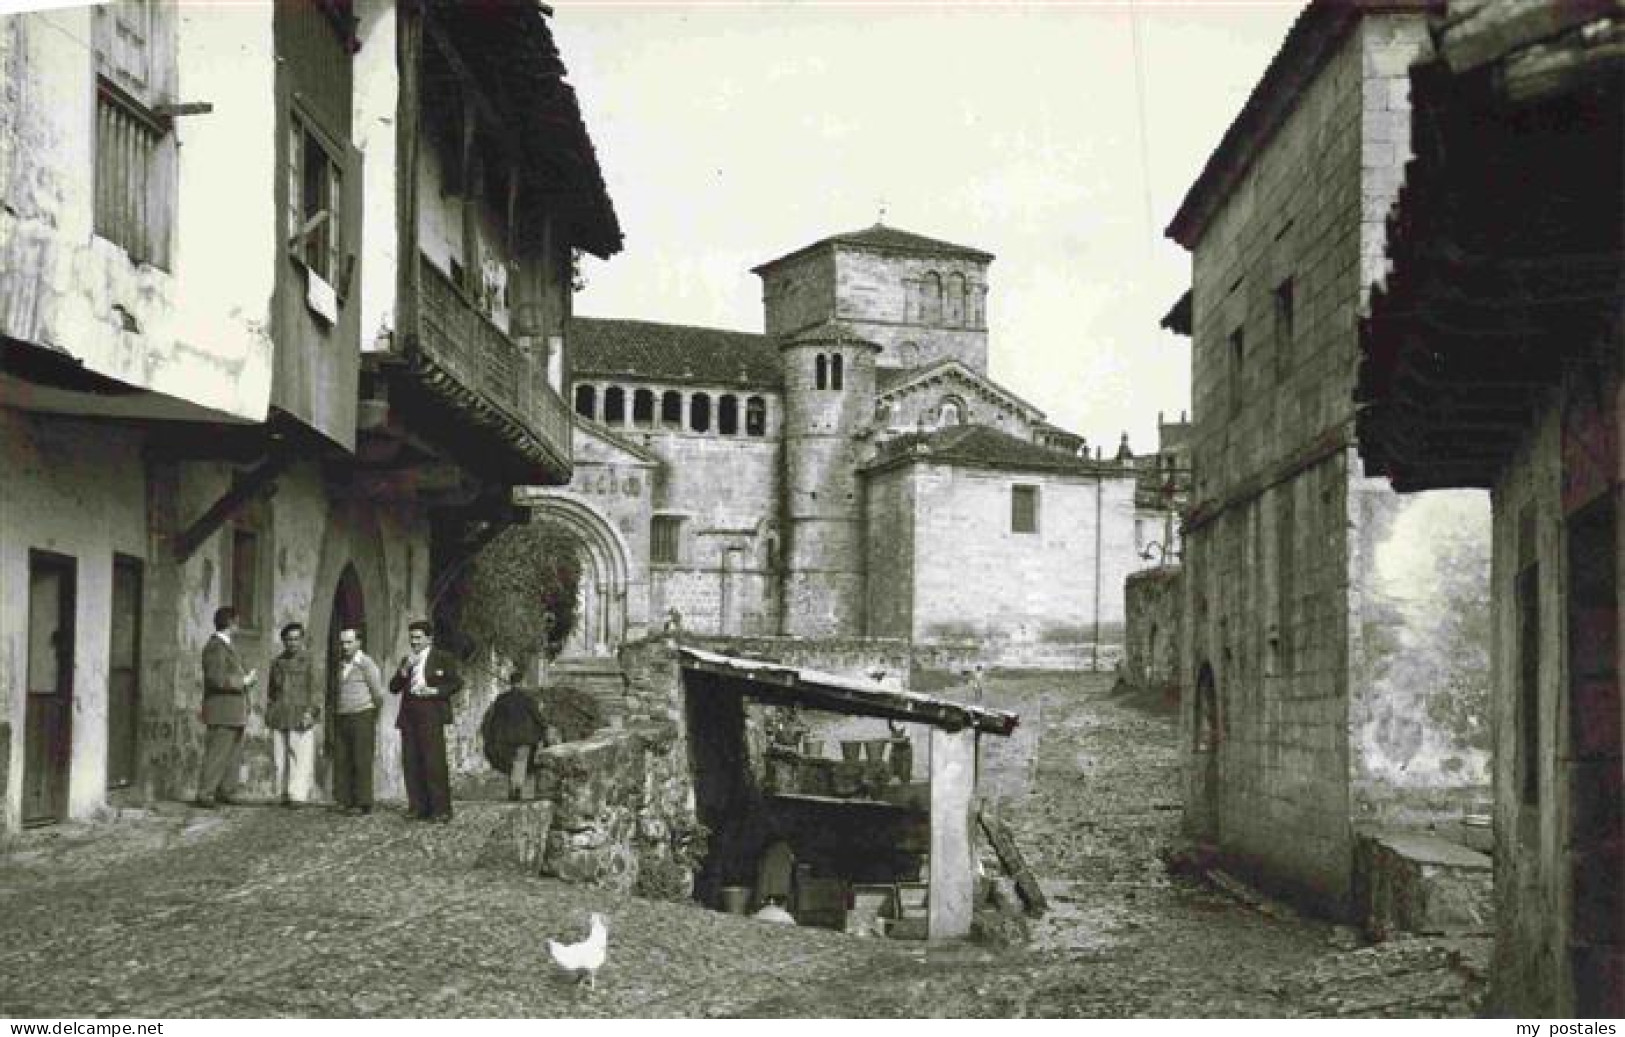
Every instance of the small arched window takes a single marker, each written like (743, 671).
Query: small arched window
(835, 371)
(755, 416)
(671, 409)
(699, 412)
(951, 411)
(728, 415)
(587, 401)
(614, 405)
(643, 408)
(821, 372)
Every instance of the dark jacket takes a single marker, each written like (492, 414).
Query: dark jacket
(512, 721)
(440, 674)
(225, 692)
(290, 694)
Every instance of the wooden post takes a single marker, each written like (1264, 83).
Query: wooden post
(953, 869)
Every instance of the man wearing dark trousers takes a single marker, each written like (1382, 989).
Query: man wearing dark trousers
(355, 724)
(426, 680)
(225, 710)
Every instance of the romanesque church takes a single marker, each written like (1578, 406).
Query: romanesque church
(852, 471)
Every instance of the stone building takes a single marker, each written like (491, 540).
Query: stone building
(1492, 358)
(851, 472)
(221, 386)
(1335, 652)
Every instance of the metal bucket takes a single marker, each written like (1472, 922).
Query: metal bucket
(736, 899)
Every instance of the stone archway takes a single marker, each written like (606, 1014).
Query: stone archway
(614, 601)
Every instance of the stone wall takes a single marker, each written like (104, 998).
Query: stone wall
(726, 490)
(1154, 602)
(1022, 593)
(307, 540)
(1531, 971)
(63, 285)
(73, 491)
(1273, 573)
(873, 297)
(617, 810)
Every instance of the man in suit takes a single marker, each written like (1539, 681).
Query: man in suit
(225, 710)
(426, 680)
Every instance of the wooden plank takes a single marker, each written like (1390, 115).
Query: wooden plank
(244, 491)
(1491, 30)
(1004, 844)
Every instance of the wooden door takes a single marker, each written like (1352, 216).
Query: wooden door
(48, 716)
(124, 673)
(349, 612)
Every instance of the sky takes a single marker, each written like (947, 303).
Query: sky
(1060, 136)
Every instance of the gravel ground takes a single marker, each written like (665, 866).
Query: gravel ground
(258, 911)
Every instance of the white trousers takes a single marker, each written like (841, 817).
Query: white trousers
(293, 757)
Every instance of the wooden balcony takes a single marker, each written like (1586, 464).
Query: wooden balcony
(492, 380)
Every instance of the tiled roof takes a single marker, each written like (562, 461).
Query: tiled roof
(980, 446)
(673, 353)
(886, 239)
(886, 377)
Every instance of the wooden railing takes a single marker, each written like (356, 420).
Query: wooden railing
(480, 355)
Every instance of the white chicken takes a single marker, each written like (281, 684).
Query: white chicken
(584, 958)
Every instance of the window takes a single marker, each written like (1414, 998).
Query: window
(821, 371)
(1238, 355)
(1023, 509)
(755, 416)
(643, 408)
(1528, 610)
(614, 405)
(587, 401)
(315, 188)
(835, 371)
(665, 539)
(671, 408)
(728, 415)
(951, 412)
(134, 171)
(245, 573)
(699, 412)
(1285, 324)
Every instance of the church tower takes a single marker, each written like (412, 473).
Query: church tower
(919, 299)
(829, 385)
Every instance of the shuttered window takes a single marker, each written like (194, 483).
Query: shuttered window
(134, 176)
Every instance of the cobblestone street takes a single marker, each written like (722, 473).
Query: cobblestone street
(264, 912)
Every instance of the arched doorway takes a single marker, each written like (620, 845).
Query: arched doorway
(349, 611)
(614, 598)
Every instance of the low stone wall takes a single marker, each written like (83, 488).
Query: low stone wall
(616, 810)
(1414, 882)
(1154, 600)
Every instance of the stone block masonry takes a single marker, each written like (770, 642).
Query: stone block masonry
(1300, 573)
(616, 810)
